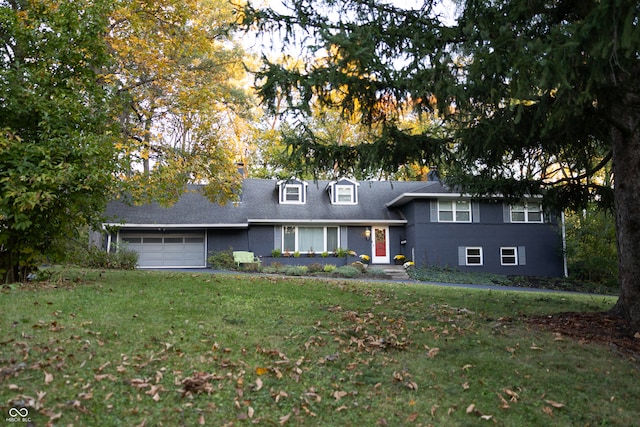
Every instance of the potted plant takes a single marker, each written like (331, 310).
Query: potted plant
(399, 259)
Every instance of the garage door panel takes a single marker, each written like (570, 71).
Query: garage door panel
(166, 250)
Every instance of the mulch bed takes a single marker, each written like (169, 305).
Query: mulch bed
(599, 327)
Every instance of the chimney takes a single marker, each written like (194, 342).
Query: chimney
(241, 170)
(433, 174)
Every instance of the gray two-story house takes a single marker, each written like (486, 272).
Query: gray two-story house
(425, 221)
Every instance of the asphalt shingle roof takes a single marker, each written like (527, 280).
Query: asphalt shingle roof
(259, 202)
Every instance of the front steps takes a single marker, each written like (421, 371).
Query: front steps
(395, 272)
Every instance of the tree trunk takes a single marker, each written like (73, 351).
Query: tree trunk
(626, 166)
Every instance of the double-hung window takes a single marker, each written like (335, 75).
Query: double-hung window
(526, 212)
(292, 193)
(309, 239)
(454, 211)
(345, 194)
(509, 256)
(473, 255)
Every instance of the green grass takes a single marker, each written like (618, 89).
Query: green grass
(157, 348)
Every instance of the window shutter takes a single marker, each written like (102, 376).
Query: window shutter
(344, 241)
(475, 211)
(277, 237)
(462, 255)
(434, 211)
(522, 256)
(506, 213)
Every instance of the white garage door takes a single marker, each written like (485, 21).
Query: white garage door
(157, 249)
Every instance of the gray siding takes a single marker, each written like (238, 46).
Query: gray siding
(442, 244)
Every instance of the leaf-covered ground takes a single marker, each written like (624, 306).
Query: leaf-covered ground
(159, 348)
(594, 327)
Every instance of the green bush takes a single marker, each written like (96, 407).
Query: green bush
(359, 265)
(122, 259)
(315, 268)
(222, 260)
(347, 271)
(328, 268)
(298, 270)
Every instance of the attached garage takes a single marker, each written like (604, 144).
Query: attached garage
(166, 249)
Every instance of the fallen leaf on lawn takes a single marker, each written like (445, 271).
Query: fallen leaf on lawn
(86, 396)
(339, 394)
(412, 417)
(558, 337)
(250, 412)
(258, 384)
(486, 417)
(433, 352)
(512, 394)
(505, 404)
(261, 371)
(313, 395)
(341, 408)
(465, 386)
(283, 420)
(434, 408)
(471, 408)
(280, 395)
(467, 367)
(547, 410)
(554, 404)
(535, 347)
(47, 377)
(201, 420)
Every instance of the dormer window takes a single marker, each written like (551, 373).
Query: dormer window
(343, 192)
(292, 191)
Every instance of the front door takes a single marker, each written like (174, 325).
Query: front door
(380, 245)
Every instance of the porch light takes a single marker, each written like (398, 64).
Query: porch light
(367, 233)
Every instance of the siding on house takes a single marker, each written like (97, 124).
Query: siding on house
(408, 209)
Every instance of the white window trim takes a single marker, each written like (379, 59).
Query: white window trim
(283, 195)
(454, 204)
(352, 194)
(526, 213)
(466, 258)
(515, 255)
(296, 238)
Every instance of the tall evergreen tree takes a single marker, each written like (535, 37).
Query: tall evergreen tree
(535, 96)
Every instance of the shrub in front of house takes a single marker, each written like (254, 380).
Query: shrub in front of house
(328, 268)
(360, 266)
(222, 260)
(315, 267)
(298, 270)
(122, 259)
(347, 271)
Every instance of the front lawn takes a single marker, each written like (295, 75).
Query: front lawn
(145, 348)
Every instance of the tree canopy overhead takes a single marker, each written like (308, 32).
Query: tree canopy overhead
(535, 97)
(57, 152)
(179, 72)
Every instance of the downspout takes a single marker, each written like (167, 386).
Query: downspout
(564, 245)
